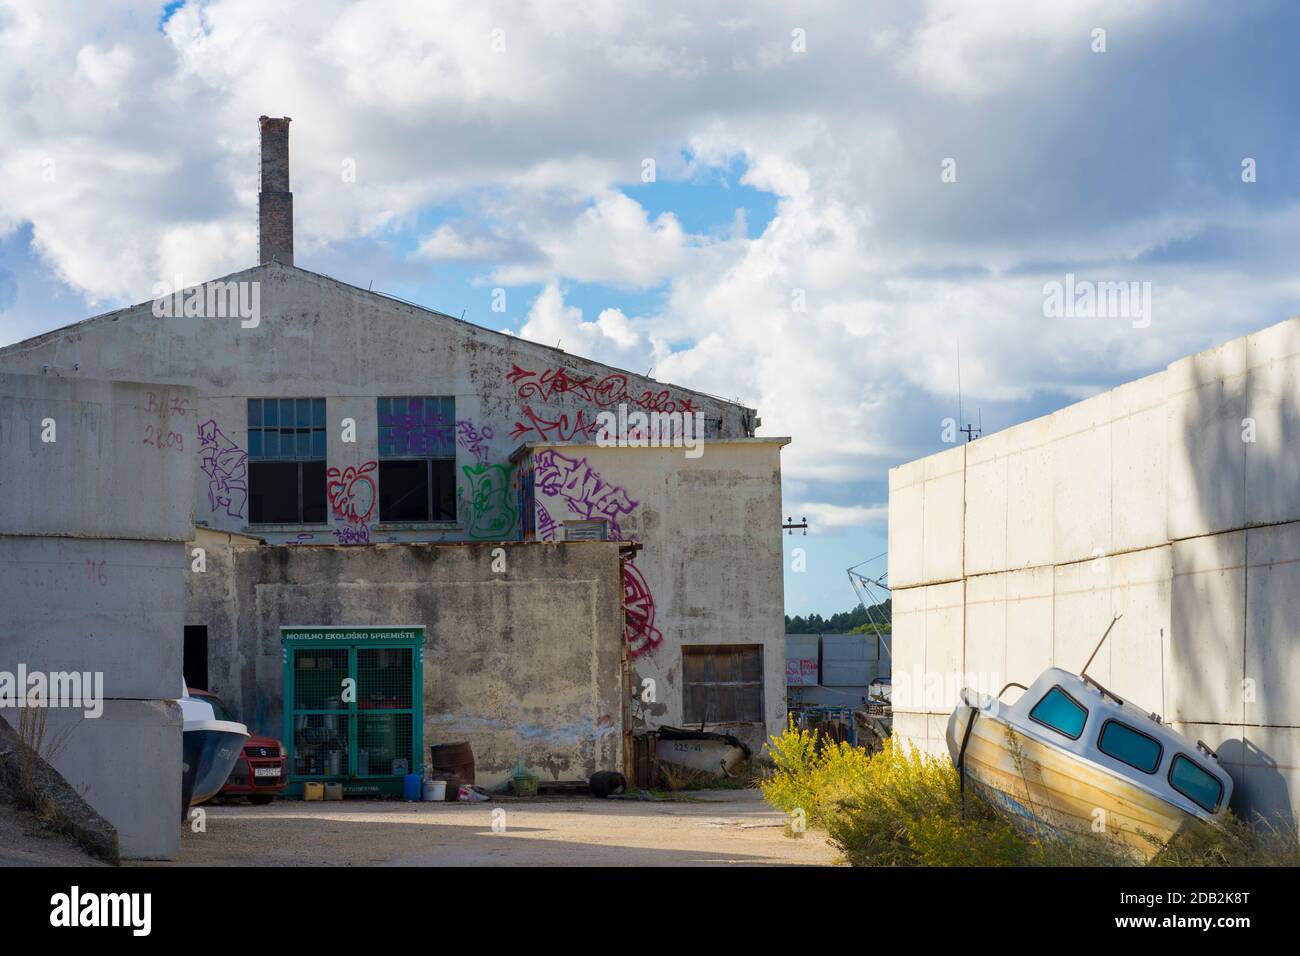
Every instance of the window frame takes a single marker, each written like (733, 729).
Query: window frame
(1218, 801)
(261, 458)
(737, 648)
(431, 499)
(1070, 698)
(1160, 748)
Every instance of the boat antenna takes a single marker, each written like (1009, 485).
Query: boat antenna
(1099, 643)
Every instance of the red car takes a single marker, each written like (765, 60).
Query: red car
(262, 771)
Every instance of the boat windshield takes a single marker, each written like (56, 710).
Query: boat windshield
(1198, 785)
(1061, 712)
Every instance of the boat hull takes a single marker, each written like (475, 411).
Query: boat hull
(1044, 790)
(210, 749)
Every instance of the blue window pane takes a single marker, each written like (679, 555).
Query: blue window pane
(1059, 711)
(254, 411)
(255, 443)
(303, 419)
(272, 444)
(286, 411)
(318, 444)
(1129, 746)
(385, 408)
(1198, 785)
(318, 412)
(270, 412)
(288, 448)
(304, 442)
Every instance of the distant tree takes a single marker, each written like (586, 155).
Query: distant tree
(858, 619)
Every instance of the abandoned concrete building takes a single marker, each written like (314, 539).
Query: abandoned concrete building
(384, 492)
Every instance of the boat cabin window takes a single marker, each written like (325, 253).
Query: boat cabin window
(1196, 784)
(1129, 746)
(1061, 712)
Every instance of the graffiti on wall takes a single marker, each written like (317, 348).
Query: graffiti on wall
(226, 465)
(427, 431)
(489, 512)
(639, 621)
(586, 493)
(546, 525)
(474, 440)
(556, 383)
(539, 428)
(352, 534)
(352, 492)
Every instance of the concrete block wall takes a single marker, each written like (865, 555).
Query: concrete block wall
(1174, 500)
(524, 663)
(711, 559)
(92, 556)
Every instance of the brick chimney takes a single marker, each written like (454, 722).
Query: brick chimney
(274, 201)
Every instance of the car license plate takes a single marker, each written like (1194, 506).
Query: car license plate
(266, 771)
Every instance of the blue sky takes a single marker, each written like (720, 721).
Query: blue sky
(798, 159)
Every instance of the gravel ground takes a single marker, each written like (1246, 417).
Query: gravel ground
(24, 842)
(712, 828)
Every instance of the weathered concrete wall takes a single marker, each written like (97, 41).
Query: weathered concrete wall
(710, 565)
(319, 338)
(92, 556)
(521, 663)
(1174, 499)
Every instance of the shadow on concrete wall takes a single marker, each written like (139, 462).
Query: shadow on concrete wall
(1213, 431)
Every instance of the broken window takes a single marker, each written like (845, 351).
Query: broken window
(286, 460)
(417, 459)
(723, 684)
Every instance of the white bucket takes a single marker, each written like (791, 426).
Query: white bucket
(435, 790)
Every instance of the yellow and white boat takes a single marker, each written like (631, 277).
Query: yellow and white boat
(1071, 755)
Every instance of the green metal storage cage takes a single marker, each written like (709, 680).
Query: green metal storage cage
(353, 706)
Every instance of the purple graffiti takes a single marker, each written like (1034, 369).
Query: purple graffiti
(474, 440)
(546, 525)
(425, 432)
(582, 488)
(226, 465)
(352, 534)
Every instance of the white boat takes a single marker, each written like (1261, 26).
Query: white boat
(1071, 755)
(209, 750)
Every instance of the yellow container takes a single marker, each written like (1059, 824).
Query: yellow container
(313, 791)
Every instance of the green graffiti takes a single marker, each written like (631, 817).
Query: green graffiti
(491, 514)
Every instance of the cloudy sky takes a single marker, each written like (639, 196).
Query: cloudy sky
(842, 193)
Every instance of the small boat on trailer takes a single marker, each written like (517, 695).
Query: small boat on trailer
(1069, 755)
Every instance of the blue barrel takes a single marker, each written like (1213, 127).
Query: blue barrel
(411, 786)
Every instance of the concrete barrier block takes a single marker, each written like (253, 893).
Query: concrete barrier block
(1271, 694)
(1029, 625)
(944, 613)
(906, 535)
(1081, 612)
(944, 516)
(985, 538)
(1207, 630)
(1269, 433)
(127, 765)
(1030, 490)
(1142, 590)
(1266, 765)
(98, 606)
(908, 616)
(986, 627)
(1206, 457)
(1138, 465)
(1081, 480)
